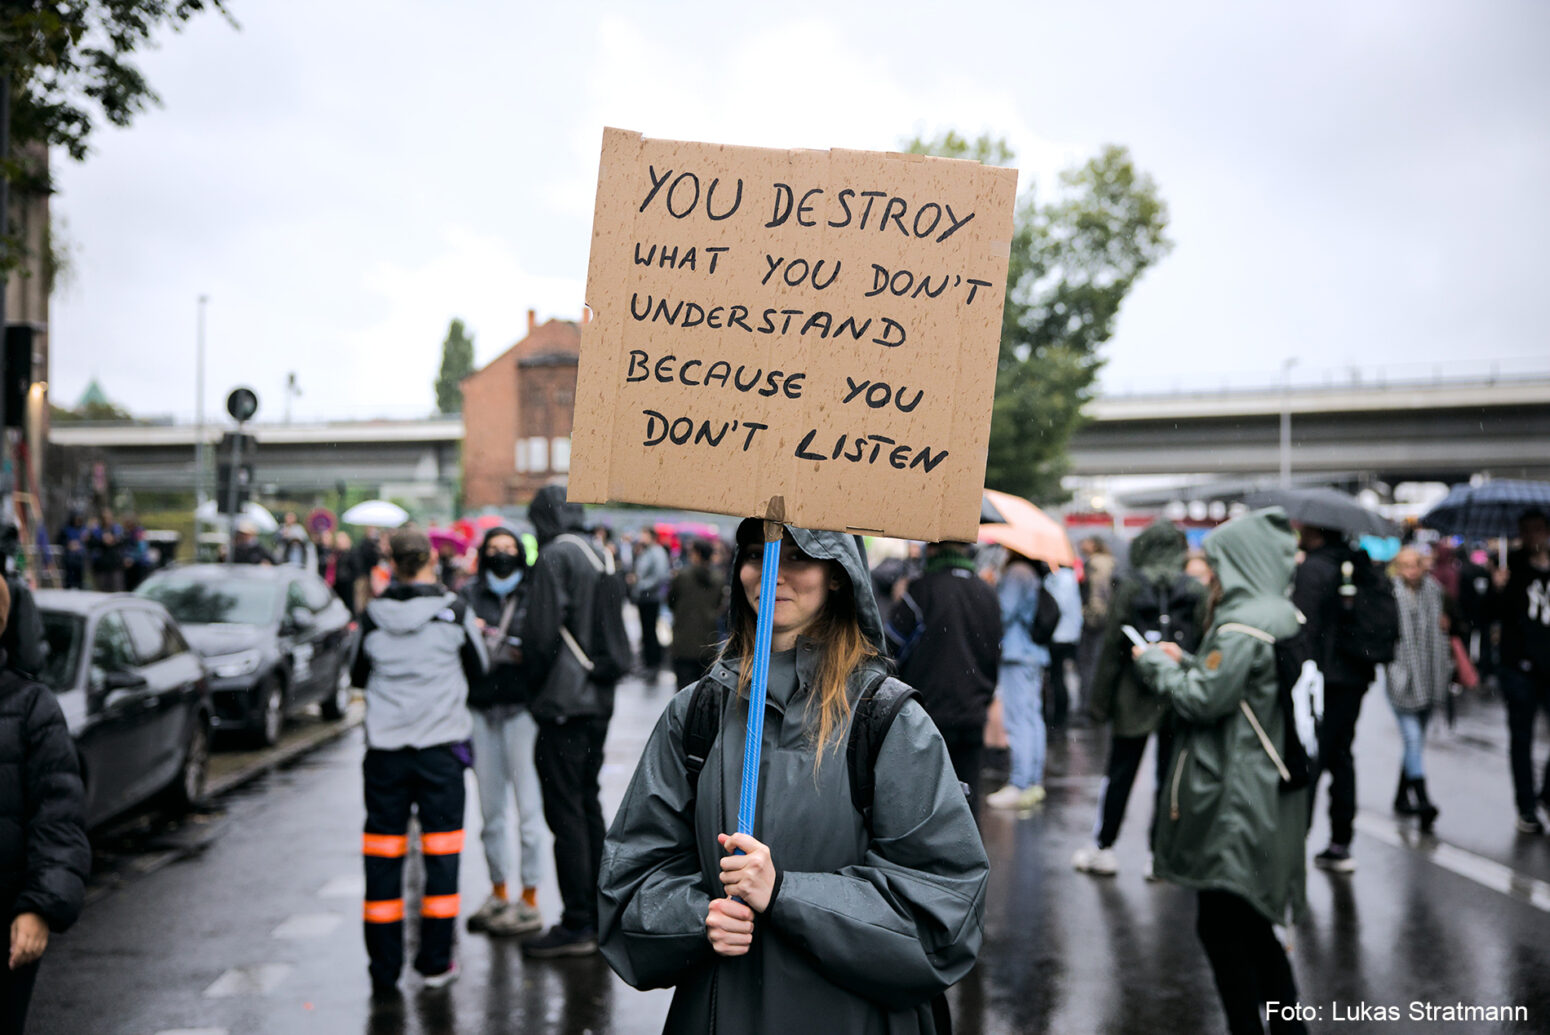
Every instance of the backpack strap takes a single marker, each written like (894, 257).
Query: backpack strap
(879, 704)
(604, 564)
(1243, 705)
(701, 726)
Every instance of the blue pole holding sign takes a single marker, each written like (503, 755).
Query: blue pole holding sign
(764, 631)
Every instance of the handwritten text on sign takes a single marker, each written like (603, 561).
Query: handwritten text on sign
(820, 326)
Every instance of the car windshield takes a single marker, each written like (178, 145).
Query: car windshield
(62, 638)
(205, 601)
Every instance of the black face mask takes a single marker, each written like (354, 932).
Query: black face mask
(501, 565)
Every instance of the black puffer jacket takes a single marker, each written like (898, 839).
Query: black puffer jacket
(503, 684)
(44, 855)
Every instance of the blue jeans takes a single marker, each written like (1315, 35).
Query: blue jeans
(1022, 712)
(1412, 731)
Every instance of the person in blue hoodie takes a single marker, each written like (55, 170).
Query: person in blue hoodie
(420, 647)
(504, 735)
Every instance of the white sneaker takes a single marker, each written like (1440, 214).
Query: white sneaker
(517, 918)
(1100, 862)
(492, 908)
(1011, 797)
(443, 979)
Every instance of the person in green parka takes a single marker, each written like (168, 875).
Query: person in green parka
(1227, 828)
(837, 924)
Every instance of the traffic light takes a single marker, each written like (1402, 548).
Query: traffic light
(17, 372)
(223, 497)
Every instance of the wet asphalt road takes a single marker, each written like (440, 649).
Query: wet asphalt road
(246, 920)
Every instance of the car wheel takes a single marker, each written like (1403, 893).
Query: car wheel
(338, 699)
(187, 790)
(269, 712)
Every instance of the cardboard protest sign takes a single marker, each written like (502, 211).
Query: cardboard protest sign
(808, 335)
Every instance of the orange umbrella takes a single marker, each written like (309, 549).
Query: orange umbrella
(1023, 528)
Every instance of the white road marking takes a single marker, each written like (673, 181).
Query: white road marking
(308, 925)
(260, 979)
(344, 887)
(1485, 872)
(194, 1031)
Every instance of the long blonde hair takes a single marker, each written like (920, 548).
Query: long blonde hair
(843, 648)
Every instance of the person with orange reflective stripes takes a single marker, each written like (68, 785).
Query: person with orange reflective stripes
(420, 646)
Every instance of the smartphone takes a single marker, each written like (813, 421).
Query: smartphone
(1135, 637)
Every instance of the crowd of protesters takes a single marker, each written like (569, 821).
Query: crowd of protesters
(501, 655)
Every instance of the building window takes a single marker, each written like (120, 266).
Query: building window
(537, 455)
(559, 453)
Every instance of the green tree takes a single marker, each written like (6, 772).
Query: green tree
(457, 362)
(1074, 259)
(67, 64)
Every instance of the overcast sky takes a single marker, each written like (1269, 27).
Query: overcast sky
(1348, 183)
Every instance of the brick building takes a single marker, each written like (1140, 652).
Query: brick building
(517, 414)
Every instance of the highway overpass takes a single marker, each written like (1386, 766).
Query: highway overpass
(1433, 431)
(1436, 431)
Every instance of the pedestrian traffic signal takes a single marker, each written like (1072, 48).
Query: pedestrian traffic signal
(244, 486)
(17, 372)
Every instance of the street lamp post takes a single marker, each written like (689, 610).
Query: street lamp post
(1286, 421)
(199, 406)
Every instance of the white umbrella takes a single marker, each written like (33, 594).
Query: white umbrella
(375, 513)
(254, 512)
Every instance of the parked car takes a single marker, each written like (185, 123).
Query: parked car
(135, 697)
(275, 639)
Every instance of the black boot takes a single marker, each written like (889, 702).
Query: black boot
(1424, 807)
(1403, 804)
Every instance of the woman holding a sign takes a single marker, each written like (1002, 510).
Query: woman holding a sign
(847, 908)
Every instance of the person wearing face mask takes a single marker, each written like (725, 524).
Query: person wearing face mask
(504, 735)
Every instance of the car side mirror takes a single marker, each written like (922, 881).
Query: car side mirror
(110, 683)
(300, 618)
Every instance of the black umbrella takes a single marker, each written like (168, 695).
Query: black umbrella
(1487, 510)
(1325, 508)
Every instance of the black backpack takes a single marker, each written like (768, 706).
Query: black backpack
(876, 708)
(1041, 627)
(1165, 610)
(1367, 620)
(608, 642)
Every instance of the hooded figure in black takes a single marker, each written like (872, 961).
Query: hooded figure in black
(571, 728)
(504, 737)
(44, 855)
(842, 925)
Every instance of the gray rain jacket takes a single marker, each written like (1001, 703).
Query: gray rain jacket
(865, 929)
(419, 649)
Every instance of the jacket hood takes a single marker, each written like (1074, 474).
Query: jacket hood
(505, 530)
(403, 609)
(1254, 558)
(840, 547)
(551, 513)
(1160, 549)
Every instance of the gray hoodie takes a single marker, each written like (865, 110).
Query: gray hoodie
(419, 648)
(866, 925)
